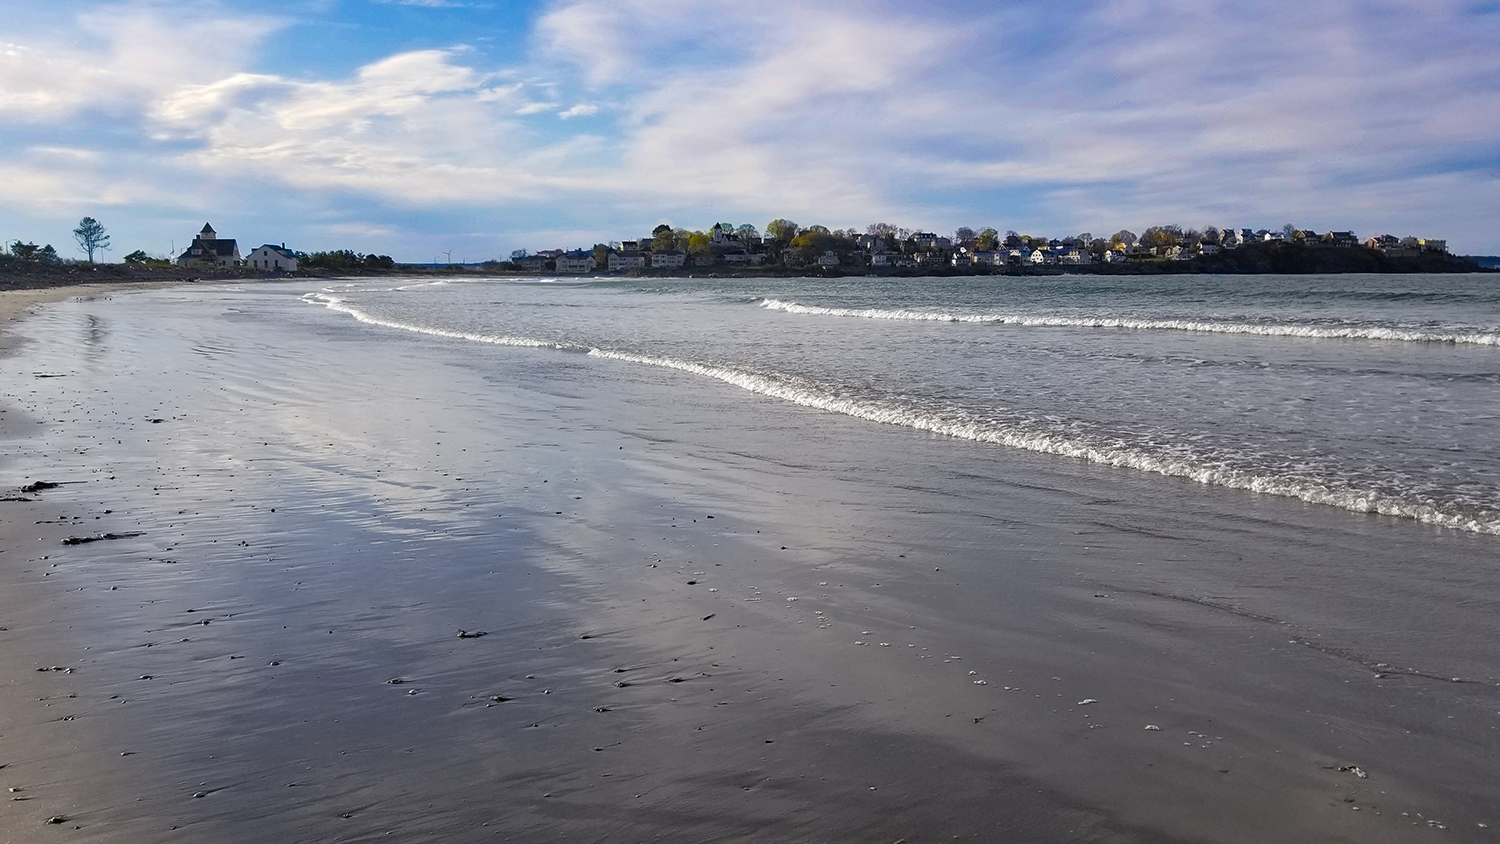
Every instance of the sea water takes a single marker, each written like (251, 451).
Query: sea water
(1371, 393)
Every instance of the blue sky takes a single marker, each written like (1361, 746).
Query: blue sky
(415, 127)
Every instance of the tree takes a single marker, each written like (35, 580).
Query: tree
(746, 231)
(781, 230)
(518, 254)
(663, 239)
(1162, 236)
(601, 255)
(137, 257)
(699, 243)
(91, 237)
(1286, 231)
(987, 241)
(25, 251)
(659, 230)
(1123, 237)
(963, 234)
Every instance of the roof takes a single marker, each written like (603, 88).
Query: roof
(275, 248)
(207, 229)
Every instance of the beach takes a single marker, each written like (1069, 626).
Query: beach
(343, 581)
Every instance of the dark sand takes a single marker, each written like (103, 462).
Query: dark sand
(978, 643)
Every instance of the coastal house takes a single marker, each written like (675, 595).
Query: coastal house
(1042, 257)
(1076, 257)
(962, 259)
(828, 259)
(272, 257)
(209, 248)
(532, 264)
(577, 262)
(668, 260)
(905, 262)
(881, 259)
(1208, 248)
(626, 261)
(1342, 240)
(1114, 256)
(1433, 245)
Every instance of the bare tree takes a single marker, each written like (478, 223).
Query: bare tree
(91, 237)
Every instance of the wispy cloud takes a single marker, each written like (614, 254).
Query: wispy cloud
(1120, 113)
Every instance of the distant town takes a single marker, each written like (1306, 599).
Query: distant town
(784, 247)
(883, 246)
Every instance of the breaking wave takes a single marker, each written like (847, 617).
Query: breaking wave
(335, 303)
(955, 422)
(1325, 332)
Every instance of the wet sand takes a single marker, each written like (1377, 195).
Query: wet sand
(706, 616)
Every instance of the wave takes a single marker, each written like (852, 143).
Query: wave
(952, 422)
(1326, 332)
(336, 303)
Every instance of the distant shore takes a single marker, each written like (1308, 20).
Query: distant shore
(1245, 261)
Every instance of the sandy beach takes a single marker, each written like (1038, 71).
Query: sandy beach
(300, 581)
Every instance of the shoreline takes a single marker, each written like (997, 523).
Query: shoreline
(630, 547)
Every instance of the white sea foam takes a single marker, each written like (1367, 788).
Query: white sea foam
(336, 303)
(1327, 332)
(1108, 453)
(955, 423)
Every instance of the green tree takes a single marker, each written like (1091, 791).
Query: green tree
(665, 240)
(137, 258)
(48, 255)
(91, 237)
(987, 240)
(1124, 237)
(25, 251)
(963, 234)
(660, 230)
(699, 243)
(781, 231)
(746, 231)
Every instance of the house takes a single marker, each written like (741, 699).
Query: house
(989, 259)
(1433, 245)
(1076, 258)
(209, 248)
(532, 264)
(828, 259)
(1041, 257)
(668, 260)
(962, 259)
(905, 262)
(1343, 240)
(1114, 256)
(1208, 249)
(881, 259)
(723, 236)
(1177, 253)
(577, 262)
(626, 261)
(273, 257)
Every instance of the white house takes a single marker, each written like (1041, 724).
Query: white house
(881, 259)
(209, 248)
(1077, 257)
(1114, 256)
(828, 259)
(668, 260)
(626, 261)
(273, 257)
(577, 262)
(1209, 248)
(1038, 257)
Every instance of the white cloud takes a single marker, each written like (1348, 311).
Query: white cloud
(1126, 113)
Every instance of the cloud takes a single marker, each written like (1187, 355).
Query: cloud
(123, 57)
(1122, 113)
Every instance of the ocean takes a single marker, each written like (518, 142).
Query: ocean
(999, 559)
(1370, 393)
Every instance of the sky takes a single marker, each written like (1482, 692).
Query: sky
(426, 128)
